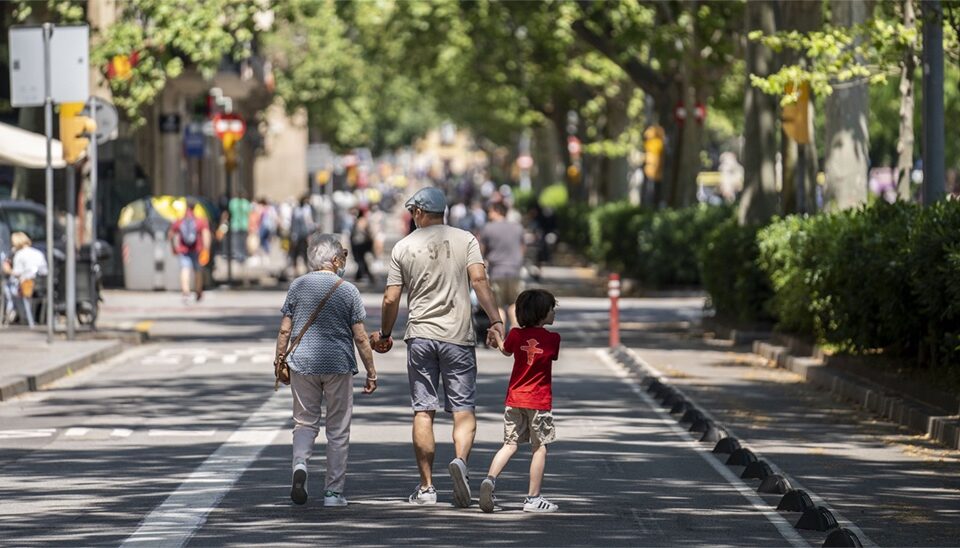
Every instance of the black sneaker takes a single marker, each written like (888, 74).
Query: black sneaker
(298, 493)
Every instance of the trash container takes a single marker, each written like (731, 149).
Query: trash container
(149, 262)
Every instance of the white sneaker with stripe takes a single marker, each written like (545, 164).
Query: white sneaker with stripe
(539, 504)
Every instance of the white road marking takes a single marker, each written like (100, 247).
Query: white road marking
(176, 520)
(184, 433)
(783, 527)
(77, 432)
(200, 360)
(121, 432)
(36, 433)
(161, 360)
(261, 358)
(842, 521)
(230, 359)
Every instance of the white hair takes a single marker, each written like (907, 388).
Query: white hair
(323, 249)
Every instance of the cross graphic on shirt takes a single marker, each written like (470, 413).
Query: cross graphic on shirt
(532, 350)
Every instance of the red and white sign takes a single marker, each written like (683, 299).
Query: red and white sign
(700, 112)
(525, 161)
(229, 124)
(573, 146)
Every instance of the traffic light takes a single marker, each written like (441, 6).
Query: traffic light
(653, 153)
(75, 131)
(794, 116)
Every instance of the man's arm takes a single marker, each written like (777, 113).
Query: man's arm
(481, 285)
(388, 312)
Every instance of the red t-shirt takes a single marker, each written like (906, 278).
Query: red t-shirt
(533, 349)
(198, 245)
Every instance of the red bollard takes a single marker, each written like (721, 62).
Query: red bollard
(613, 291)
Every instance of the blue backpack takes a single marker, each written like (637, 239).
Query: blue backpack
(188, 231)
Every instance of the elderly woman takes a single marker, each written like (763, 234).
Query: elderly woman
(28, 263)
(323, 363)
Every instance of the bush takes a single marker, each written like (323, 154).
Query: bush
(613, 236)
(739, 290)
(573, 226)
(667, 244)
(934, 265)
(861, 288)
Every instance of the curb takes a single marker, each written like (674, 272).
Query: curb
(944, 429)
(14, 385)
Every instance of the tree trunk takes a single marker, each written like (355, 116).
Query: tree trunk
(759, 201)
(905, 140)
(688, 159)
(797, 15)
(847, 132)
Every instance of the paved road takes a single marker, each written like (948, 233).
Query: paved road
(183, 441)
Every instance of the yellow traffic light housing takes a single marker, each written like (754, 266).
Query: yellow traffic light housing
(653, 145)
(75, 131)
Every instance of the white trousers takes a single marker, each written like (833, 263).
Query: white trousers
(309, 393)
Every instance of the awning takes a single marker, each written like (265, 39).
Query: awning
(19, 147)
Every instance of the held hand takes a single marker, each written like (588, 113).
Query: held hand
(381, 345)
(371, 386)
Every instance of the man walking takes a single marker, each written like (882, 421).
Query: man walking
(501, 242)
(438, 264)
(190, 236)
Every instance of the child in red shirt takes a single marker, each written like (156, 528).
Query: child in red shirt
(529, 396)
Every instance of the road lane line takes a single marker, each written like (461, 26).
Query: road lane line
(817, 500)
(785, 529)
(121, 433)
(38, 433)
(76, 431)
(178, 518)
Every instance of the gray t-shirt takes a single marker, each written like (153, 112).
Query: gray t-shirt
(431, 262)
(327, 346)
(503, 247)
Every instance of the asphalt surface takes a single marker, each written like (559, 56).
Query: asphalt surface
(183, 441)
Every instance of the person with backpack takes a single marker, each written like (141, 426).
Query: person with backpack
(190, 237)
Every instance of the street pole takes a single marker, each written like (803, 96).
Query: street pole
(48, 129)
(92, 153)
(71, 266)
(933, 129)
(229, 225)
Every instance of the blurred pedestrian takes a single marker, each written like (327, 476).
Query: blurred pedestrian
(301, 226)
(22, 271)
(190, 238)
(438, 264)
(501, 242)
(327, 315)
(361, 243)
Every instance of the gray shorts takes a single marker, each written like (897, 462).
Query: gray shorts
(429, 362)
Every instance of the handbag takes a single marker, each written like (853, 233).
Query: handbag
(281, 369)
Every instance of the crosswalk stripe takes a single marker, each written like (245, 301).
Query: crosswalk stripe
(185, 433)
(121, 432)
(77, 432)
(36, 433)
(176, 520)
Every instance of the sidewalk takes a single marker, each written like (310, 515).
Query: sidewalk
(899, 488)
(29, 362)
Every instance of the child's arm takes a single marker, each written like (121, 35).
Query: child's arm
(499, 342)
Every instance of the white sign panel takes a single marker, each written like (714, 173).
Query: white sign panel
(69, 65)
(26, 66)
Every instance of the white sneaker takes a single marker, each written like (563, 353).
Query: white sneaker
(487, 500)
(461, 483)
(424, 495)
(298, 492)
(332, 498)
(539, 504)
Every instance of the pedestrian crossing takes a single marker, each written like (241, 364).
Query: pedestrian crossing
(210, 356)
(78, 432)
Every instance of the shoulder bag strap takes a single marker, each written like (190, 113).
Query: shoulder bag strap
(313, 317)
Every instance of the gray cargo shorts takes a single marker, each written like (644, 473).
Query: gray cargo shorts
(429, 362)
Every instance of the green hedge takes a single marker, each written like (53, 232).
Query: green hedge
(739, 290)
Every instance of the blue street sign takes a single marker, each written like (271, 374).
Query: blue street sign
(193, 140)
